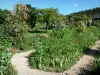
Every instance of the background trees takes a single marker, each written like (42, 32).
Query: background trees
(3, 15)
(50, 17)
(85, 16)
(32, 15)
(24, 18)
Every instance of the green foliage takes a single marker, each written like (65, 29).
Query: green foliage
(84, 16)
(11, 70)
(87, 13)
(5, 57)
(95, 30)
(5, 39)
(62, 49)
(96, 66)
(3, 15)
(96, 63)
(21, 11)
(50, 17)
(17, 28)
(32, 15)
(96, 23)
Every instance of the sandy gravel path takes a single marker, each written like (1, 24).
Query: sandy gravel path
(21, 64)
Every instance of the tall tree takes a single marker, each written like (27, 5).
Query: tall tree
(3, 15)
(32, 15)
(16, 25)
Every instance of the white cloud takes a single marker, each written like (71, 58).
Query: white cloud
(75, 4)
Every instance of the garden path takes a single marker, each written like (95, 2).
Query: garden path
(20, 61)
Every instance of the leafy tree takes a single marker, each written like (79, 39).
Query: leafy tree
(16, 25)
(21, 11)
(3, 15)
(32, 15)
(50, 17)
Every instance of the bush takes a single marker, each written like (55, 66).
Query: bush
(5, 64)
(95, 30)
(5, 39)
(96, 63)
(11, 70)
(96, 23)
(5, 57)
(17, 28)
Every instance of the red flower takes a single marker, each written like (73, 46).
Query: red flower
(11, 49)
(13, 53)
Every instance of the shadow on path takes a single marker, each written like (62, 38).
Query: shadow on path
(92, 52)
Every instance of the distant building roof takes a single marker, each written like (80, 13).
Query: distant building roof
(96, 16)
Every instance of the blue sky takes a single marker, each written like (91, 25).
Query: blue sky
(64, 6)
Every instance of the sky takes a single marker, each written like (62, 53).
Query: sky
(64, 6)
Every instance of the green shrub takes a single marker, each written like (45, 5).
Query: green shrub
(95, 30)
(11, 70)
(96, 64)
(96, 23)
(5, 39)
(5, 57)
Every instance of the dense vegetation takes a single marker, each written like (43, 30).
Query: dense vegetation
(67, 41)
(62, 48)
(83, 17)
(5, 65)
